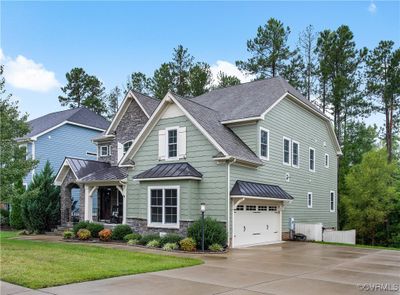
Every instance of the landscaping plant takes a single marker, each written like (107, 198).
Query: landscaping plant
(16, 221)
(214, 232)
(153, 244)
(170, 238)
(120, 231)
(80, 225)
(188, 244)
(83, 234)
(147, 238)
(94, 229)
(105, 235)
(4, 217)
(68, 234)
(132, 236)
(133, 242)
(170, 246)
(216, 248)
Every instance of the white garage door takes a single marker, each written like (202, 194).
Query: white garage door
(256, 224)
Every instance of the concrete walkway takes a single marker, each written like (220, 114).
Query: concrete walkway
(288, 268)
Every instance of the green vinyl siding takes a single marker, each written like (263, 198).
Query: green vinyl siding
(212, 189)
(287, 119)
(247, 135)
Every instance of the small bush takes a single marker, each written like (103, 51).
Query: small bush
(147, 238)
(170, 246)
(68, 234)
(120, 231)
(83, 234)
(105, 235)
(170, 238)
(214, 232)
(4, 217)
(80, 225)
(216, 248)
(16, 221)
(133, 242)
(153, 244)
(94, 229)
(188, 244)
(132, 236)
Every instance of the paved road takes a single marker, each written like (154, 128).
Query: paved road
(288, 268)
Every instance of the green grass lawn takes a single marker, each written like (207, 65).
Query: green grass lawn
(35, 264)
(359, 246)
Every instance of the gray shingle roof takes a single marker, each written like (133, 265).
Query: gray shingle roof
(248, 99)
(79, 115)
(111, 173)
(210, 120)
(149, 103)
(254, 189)
(170, 170)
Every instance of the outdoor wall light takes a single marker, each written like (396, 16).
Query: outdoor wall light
(203, 207)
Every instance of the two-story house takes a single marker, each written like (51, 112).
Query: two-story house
(255, 154)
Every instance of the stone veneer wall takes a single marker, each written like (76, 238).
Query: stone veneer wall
(140, 226)
(65, 198)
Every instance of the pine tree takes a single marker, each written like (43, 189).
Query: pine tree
(180, 67)
(200, 78)
(113, 102)
(225, 80)
(307, 46)
(138, 82)
(162, 81)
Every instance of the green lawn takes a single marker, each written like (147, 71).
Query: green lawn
(35, 264)
(359, 246)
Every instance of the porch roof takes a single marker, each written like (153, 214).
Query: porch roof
(260, 190)
(170, 170)
(112, 173)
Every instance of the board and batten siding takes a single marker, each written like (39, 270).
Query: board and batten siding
(212, 189)
(287, 119)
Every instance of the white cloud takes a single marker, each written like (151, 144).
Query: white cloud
(25, 73)
(229, 69)
(372, 7)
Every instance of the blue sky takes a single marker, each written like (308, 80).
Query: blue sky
(41, 41)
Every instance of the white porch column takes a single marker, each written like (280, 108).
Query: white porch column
(89, 190)
(122, 189)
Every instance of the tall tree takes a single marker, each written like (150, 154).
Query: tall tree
(14, 163)
(307, 45)
(162, 81)
(225, 80)
(293, 72)
(83, 90)
(113, 102)
(269, 50)
(138, 82)
(200, 78)
(323, 48)
(383, 85)
(180, 67)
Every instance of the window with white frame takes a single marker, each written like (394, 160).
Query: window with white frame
(163, 206)
(239, 208)
(309, 200)
(104, 150)
(295, 154)
(326, 161)
(126, 146)
(332, 202)
(172, 143)
(312, 159)
(286, 151)
(273, 208)
(264, 143)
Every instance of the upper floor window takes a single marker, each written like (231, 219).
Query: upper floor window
(312, 159)
(127, 145)
(332, 202)
(309, 200)
(326, 161)
(172, 144)
(286, 151)
(264, 143)
(295, 154)
(104, 151)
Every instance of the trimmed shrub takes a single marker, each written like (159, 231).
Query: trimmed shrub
(170, 238)
(216, 248)
(147, 238)
(16, 221)
(120, 231)
(68, 234)
(188, 244)
(80, 225)
(94, 229)
(4, 217)
(133, 242)
(105, 235)
(214, 232)
(153, 244)
(132, 236)
(83, 234)
(170, 246)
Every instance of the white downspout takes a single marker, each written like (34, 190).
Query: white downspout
(229, 200)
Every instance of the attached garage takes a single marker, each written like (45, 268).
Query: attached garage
(257, 213)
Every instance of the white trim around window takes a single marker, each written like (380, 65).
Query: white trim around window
(309, 200)
(289, 151)
(297, 165)
(167, 143)
(332, 201)
(311, 160)
(326, 161)
(126, 145)
(104, 150)
(261, 144)
(163, 223)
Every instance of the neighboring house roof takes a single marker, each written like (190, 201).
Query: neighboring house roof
(79, 116)
(250, 99)
(254, 189)
(110, 173)
(170, 170)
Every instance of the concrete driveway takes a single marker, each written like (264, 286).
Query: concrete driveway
(287, 268)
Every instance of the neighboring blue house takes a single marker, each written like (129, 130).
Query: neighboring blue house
(62, 134)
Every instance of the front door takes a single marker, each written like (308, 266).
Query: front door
(105, 204)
